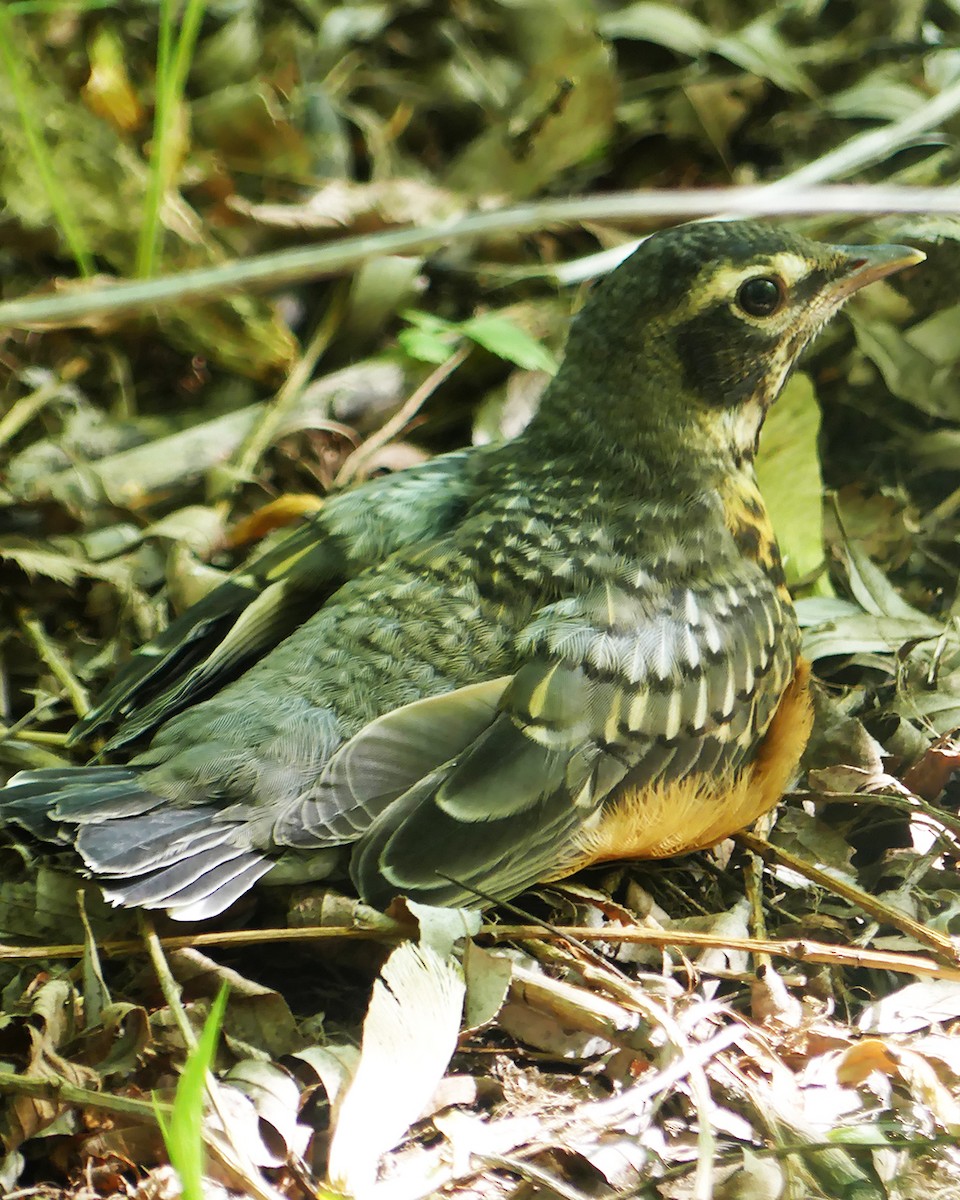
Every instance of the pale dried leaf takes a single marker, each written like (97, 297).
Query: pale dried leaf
(409, 1035)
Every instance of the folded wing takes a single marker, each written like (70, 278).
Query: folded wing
(256, 608)
(616, 690)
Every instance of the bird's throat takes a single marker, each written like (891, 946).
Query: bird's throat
(737, 429)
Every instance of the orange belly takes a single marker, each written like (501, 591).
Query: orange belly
(701, 810)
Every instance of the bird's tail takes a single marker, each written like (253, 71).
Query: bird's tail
(144, 851)
(32, 798)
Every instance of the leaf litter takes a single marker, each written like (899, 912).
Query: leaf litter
(777, 1018)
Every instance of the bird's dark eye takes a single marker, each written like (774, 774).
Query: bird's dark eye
(761, 296)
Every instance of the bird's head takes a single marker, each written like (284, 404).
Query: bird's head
(697, 331)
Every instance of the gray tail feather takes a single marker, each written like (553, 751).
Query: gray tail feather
(41, 801)
(199, 886)
(147, 853)
(130, 846)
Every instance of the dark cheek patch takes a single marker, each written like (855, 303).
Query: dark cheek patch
(724, 360)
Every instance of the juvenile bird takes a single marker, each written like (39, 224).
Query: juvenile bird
(507, 663)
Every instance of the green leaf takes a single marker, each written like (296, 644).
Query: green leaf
(788, 471)
(424, 346)
(184, 1134)
(428, 322)
(508, 341)
(429, 339)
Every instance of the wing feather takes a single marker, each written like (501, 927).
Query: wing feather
(614, 691)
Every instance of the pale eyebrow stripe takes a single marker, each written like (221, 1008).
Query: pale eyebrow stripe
(724, 282)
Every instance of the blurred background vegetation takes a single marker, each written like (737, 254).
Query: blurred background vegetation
(146, 447)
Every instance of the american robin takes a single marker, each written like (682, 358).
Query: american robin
(511, 661)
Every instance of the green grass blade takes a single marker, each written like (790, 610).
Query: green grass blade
(183, 1135)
